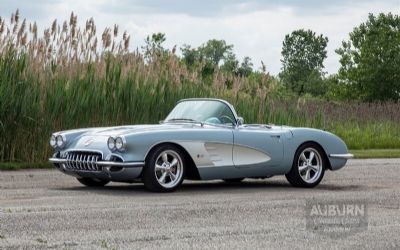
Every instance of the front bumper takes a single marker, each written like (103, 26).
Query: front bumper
(105, 163)
(105, 170)
(341, 156)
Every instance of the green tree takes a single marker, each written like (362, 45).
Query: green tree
(190, 56)
(231, 64)
(303, 54)
(210, 55)
(154, 46)
(370, 59)
(215, 51)
(246, 67)
(216, 54)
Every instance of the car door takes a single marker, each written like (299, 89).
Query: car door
(209, 146)
(257, 147)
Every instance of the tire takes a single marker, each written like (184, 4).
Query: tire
(165, 169)
(92, 182)
(308, 166)
(236, 180)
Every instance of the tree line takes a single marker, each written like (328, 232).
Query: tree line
(369, 61)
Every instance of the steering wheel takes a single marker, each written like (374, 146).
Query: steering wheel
(225, 117)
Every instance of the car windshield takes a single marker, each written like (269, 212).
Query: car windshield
(207, 111)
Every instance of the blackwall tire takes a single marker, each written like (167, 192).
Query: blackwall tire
(165, 169)
(308, 166)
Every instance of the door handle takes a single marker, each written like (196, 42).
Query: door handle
(276, 136)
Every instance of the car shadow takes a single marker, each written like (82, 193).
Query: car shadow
(211, 187)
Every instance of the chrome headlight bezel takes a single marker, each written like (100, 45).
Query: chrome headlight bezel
(120, 143)
(60, 141)
(53, 141)
(111, 143)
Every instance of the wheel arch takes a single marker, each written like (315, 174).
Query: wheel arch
(192, 172)
(325, 155)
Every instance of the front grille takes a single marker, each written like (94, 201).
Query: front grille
(83, 161)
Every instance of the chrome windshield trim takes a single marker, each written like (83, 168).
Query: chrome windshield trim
(342, 156)
(202, 124)
(230, 106)
(183, 121)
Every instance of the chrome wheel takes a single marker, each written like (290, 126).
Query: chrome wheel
(310, 165)
(168, 169)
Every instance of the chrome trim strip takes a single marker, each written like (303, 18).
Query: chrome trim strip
(57, 160)
(342, 156)
(121, 164)
(104, 163)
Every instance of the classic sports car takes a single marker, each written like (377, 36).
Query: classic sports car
(201, 139)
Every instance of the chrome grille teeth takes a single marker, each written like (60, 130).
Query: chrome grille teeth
(82, 161)
(67, 163)
(76, 161)
(95, 164)
(73, 161)
(87, 163)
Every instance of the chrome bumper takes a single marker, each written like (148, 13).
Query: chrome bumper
(104, 163)
(341, 156)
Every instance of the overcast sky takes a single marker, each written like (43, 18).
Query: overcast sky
(256, 28)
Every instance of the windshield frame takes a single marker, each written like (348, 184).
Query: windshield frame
(231, 108)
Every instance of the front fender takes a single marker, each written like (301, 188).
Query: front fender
(333, 145)
(330, 143)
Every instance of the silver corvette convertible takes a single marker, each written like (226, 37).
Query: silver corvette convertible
(201, 139)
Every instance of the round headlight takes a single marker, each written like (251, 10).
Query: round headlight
(120, 144)
(53, 141)
(111, 143)
(60, 141)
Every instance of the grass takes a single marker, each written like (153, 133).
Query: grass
(24, 165)
(376, 153)
(65, 80)
(104, 244)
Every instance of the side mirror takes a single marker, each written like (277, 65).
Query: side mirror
(240, 121)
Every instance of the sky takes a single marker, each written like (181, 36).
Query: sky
(256, 28)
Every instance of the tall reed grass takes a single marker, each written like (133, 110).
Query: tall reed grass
(68, 78)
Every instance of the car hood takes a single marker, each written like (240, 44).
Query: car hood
(130, 129)
(96, 137)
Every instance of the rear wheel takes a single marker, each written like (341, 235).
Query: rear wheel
(308, 166)
(92, 182)
(164, 170)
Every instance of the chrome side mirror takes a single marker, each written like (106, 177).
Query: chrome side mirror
(240, 121)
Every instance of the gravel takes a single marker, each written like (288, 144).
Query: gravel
(46, 209)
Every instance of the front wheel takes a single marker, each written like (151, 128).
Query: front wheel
(164, 170)
(308, 166)
(92, 182)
